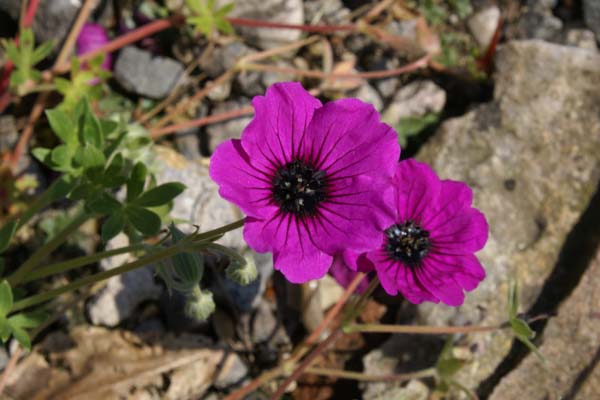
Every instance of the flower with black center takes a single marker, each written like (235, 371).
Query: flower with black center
(427, 238)
(307, 176)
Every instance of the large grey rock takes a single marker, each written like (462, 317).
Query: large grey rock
(571, 346)
(123, 293)
(532, 157)
(483, 25)
(591, 15)
(140, 72)
(282, 11)
(53, 19)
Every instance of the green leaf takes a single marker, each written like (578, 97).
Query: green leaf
(92, 131)
(521, 328)
(5, 329)
(226, 9)
(42, 51)
(108, 127)
(135, 184)
(83, 191)
(104, 204)
(112, 226)
(61, 156)
(6, 233)
(28, 320)
(160, 195)
(21, 336)
(533, 349)
(41, 154)
(90, 156)
(145, 221)
(6, 298)
(63, 126)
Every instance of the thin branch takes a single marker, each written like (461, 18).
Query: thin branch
(420, 63)
(419, 329)
(305, 28)
(359, 376)
(69, 43)
(156, 133)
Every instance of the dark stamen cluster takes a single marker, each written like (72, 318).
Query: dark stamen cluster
(407, 242)
(298, 188)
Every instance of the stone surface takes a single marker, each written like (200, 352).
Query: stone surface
(282, 11)
(215, 61)
(414, 100)
(582, 38)
(140, 72)
(532, 157)
(535, 24)
(591, 16)
(571, 346)
(230, 129)
(414, 390)
(123, 293)
(483, 25)
(329, 12)
(52, 18)
(367, 93)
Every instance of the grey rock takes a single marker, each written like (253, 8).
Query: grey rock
(270, 77)
(329, 12)
(8, 133)
(571, 346)
(282, 11)
(415, 100)
(264, 323)
(591, 16)
(509, 151)
(200, 204)
(483, 25)
(404, 28)
(414, 390)
(3, 357)
(233, 372)
(539, 25)
(250, 82)
(368, 94)
(231, 129)
(220, 92)
(542, 5)
(140, 72)
(123, 293)
(215, 61)
(581, 38)
(53, 19)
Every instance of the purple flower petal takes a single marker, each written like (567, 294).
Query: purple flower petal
(90, 38)
(344, 275)
(240, 181)
(312, 179)
(426, 253)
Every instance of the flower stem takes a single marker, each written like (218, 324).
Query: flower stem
(37, 257)
(305, 28)
(359, 376)
(68, 265)
(219, 231)
(100, 276)
(421, 330)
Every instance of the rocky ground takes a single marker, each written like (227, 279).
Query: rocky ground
(525, 137)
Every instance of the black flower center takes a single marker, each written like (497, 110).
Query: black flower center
(298, 188)
(407, 242)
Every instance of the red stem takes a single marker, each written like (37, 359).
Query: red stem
(30, 13)
(306, 28)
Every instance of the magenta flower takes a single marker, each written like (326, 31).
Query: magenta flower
(90, 38)
(344, 276)
(307, 176)
(427, 239)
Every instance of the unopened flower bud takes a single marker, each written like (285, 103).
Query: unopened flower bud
(200, 305)
(242, 273)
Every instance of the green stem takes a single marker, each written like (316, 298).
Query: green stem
(100, 276)
(220, 231)
(68, 265)
(417, 329)
(359, 376)
(37, 257)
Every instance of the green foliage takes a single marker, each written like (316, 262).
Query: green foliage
(6, 233)
(206, 19)
(462, 8)
(16, 325)
(520, 327)
(25, 56)
(433, 12)
(411, 126)
(83, 83)
(97, 155)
